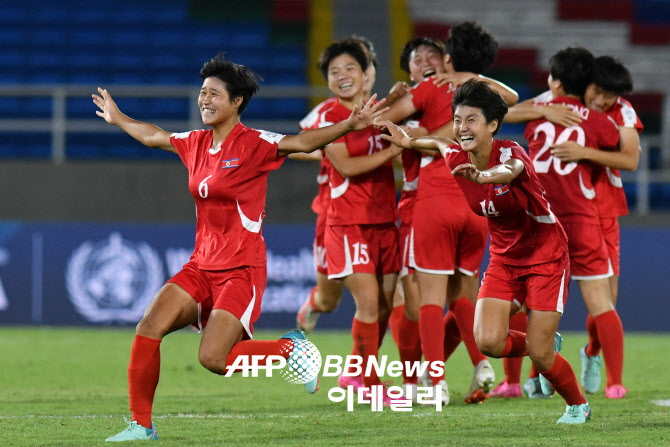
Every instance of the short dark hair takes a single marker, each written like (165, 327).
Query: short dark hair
(413, 45)
(238, 79)
(572, 66)
(471, 47)
(368, 47)
(478, 94)
(344, 46)
(610, 74)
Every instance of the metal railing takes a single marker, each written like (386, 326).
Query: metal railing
(59, 125)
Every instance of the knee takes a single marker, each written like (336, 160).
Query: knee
(150, 326)
(211, 362)
(489, 344)
(542, 356)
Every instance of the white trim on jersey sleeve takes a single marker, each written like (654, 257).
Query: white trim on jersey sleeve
(628, 115)
(543, 97)
(181, 135)
(310, 120)
(410, 186)
(426, 160)
(250, 225)
(505, 154)
(270, 137)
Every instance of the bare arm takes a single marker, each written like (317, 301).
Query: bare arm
(349, 166)
(399, 137)
(313, 139)
(402, 108)
(307, 156)
(627, 158)
(146, 133)
(501, 174)
(510, 96)
(528, 111)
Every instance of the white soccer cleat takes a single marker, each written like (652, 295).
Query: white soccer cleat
(409, 391)
(483, 380)
(445, 392)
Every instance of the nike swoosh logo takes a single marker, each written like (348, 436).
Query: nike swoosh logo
(614, 179)
(251, 225)
(339, 190)
(321, 179)
(589, 193)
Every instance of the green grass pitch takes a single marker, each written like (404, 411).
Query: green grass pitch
(67, 387)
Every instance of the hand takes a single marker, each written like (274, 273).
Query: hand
(561, 115)
(469, 171)
(456, 79)
(400, 89)
(568, 151)
(366, 116)
(396, 136)
(108, 108)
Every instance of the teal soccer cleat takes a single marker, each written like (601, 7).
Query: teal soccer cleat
(547, 389)
(300, 350)
(575, 414)
(533, 390)
(590, 377)
(135, 432)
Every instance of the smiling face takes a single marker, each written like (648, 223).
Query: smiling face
(425, 61)
(345, 77)
(215, 104)
(471, 129)
(599, 99)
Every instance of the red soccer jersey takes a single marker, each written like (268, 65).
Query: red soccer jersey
(523, 229)
(363, 199)
(229, 186)
(569, 186)
(311, 121)
(435, 105)
(609, 187)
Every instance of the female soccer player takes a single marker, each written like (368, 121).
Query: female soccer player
(529, 249)
(361, 237)
(220, 289)
(326, 295)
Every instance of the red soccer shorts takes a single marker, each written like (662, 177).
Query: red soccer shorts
(238, 291)
(404, 233)
(447, 236)
(319, 246)
(362, 249)
(589, 258)
(610, 229)
(540, 286)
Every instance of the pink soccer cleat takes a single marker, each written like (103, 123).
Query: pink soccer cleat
(616, 392)
(508, 390)
(345, 381)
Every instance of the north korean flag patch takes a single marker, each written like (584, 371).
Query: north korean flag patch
(500, 190)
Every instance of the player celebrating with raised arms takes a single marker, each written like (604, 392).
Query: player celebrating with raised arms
(529, 256)
(361, 236)
(220, 289)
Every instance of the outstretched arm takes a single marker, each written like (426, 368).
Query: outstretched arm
(627, 158)
(501, 174)
(313, 139)
(349, 166)
(146, 133)
(510, 96)
(399, 138)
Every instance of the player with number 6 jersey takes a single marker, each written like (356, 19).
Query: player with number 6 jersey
(220, 289)
(529, 258)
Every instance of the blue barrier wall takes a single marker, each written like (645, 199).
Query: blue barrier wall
(106, 274)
